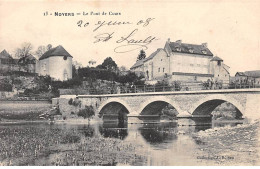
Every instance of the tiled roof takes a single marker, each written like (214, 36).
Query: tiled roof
(152, 55)
(140, 62)
(58, 51)
(190, 48)
(216, 58)
(255, 73)
(5, 55)
(30, 59)
(241, 74)
(92, 61)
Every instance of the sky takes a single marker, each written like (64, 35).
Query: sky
(231, 28)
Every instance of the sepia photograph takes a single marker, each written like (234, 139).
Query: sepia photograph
(129, 83)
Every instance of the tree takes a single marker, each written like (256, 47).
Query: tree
(141, 55)
(23, 54)
(122, 68)
(75, 67)
(77, 64)
(109, 64)
(88, 112)
(24, 51)
(42, 49)
(169, 111)
(100, 67)
(49, 46)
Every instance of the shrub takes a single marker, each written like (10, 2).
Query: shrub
(5, 85)
(177, 85)
(76, 102)
(70, 101)
(162, 83)
(169, 111)
(88, 112)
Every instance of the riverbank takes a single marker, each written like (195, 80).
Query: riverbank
(237, 145)
(44, 144)
(16, 110)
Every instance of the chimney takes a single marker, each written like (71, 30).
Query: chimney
(205, 45)
(179, 42)
(169, 40)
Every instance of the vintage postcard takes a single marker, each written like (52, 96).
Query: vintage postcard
(129, 83)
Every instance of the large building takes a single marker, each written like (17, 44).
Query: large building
(25, 64)
(6, 61)
(179, 61)
(248, 77)
(57, 63)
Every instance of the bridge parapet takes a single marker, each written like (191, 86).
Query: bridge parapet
(185, 102)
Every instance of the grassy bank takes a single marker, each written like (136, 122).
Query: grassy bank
(15, 116)
(43, 145)
(23, 110)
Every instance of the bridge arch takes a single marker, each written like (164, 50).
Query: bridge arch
(162, 101)
(110, 100)
(114, 109)
(206, 105)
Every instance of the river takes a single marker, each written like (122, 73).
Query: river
(149, 144)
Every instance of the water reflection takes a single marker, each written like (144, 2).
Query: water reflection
(114, 130)
(223, 124)
(159, 132)
(168, 143)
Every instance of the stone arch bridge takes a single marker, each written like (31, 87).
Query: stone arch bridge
(187, 103)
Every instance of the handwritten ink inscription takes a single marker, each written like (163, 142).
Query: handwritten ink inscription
(133, 44)
(127, 42)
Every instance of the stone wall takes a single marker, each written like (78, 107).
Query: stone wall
(184, 102)
(70, 111)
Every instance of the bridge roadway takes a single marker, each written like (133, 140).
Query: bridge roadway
(187, 103)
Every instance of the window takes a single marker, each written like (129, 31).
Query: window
(158, 69)
(204, 51)
(44, 67)
(65, 76)
(161, 59)
(219, 63)
(163, 69)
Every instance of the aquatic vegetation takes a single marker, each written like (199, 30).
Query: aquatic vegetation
(30, 144)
